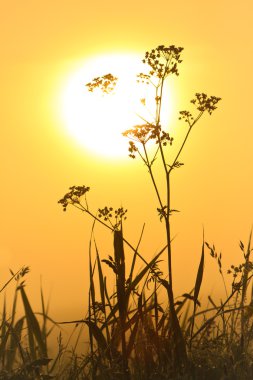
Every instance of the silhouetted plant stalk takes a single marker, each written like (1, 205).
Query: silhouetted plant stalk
(162, 62)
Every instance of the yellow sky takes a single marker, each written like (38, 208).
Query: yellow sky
(42, 43)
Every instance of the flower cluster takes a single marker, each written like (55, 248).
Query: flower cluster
(132, 149)
(141, 133)
(107, 214)
(106, 83)
(163, 60)
(145, 132)
(143, 78)
(186, 116)
(246, 267)
(73, 196)
(205, 103)
(165, 138)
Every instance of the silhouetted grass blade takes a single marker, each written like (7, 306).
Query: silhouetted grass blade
(198, 283)
(33, 327)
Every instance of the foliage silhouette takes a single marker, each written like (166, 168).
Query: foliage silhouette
(162, 62)
(132, 334)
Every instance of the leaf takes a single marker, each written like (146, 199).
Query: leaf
(111, 265)
(120, 278)
(33, 327)
(190, 297)
(15, 333)
(97, 333)
(198, 284)
(199, 277)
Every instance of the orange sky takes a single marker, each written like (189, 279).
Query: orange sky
(42, 42)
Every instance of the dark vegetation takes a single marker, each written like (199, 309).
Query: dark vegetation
(132, 333)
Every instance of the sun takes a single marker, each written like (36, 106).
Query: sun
(96, 120)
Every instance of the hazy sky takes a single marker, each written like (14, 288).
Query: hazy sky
(42, 44)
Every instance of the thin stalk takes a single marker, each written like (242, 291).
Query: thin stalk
(179, 341)
(152, 176)
(185, 139)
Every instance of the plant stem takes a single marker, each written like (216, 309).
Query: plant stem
(185, 139)
(152, 176)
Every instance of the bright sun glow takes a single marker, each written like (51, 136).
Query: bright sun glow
(97, 120)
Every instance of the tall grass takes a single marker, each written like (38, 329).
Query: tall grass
(133, 334)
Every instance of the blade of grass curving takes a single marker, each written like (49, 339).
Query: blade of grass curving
(14, 305)
(33, 327)
(198, 285)
(185, 318)
(15, 339)
(156, 309)
(44, 318)
(187, 296)
(98, 335)
(135, 255)
(101, 279)
(102, 292)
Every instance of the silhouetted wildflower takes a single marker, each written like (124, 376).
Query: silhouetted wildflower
(106, 83)
(163, 60)
(205, 103)
(143, 78)
(186, 116)
(73, 196)
(114, 218)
